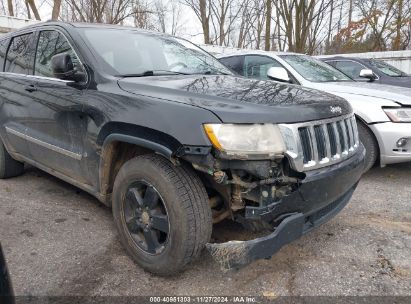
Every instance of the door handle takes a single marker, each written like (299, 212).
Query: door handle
(30, 88)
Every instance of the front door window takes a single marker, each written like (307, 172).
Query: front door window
(257, 66)
(52, 43)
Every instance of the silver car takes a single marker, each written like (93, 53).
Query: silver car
(383, 112)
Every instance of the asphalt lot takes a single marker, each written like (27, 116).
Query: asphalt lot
(61, 241)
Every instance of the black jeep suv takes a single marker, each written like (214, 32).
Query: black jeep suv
(165, 134)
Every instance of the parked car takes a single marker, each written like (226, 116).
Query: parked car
(165, 134)
(372, 70)
(383, 112)
(6, 290)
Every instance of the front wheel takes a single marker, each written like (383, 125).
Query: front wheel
(161, 212)
(370, 143)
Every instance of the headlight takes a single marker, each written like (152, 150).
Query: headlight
(246, 139)
(399, 114)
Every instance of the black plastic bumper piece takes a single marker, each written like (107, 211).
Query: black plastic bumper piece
(6, 291)
(236, 254)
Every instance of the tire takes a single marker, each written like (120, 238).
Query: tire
(8, 166)
(183, 201)
(370, 143)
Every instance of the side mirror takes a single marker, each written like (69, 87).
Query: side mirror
(63, 68)
(279, 74)
(367, 73)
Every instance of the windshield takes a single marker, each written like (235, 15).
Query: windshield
(387, 69)
(314, 70)
(126, 52)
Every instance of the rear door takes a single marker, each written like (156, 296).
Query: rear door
(15, 87)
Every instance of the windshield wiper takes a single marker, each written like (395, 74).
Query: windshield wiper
(214, 72)
(153, 73)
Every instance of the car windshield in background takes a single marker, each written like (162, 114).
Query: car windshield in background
(314, 70)
(133, 53)
(387, 69)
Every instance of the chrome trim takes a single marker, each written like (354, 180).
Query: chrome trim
(344, 131)
(337, 141)
(294, 145)
(35, 77)
(44, 144)
(49, 78)
(327, 142)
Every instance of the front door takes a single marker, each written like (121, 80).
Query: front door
(55, 132)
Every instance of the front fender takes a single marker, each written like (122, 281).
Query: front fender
(161, 149)
(368, 108)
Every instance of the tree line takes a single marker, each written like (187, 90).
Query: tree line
(303, 26)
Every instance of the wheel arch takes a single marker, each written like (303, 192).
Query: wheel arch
(120, 142)
(376, 138)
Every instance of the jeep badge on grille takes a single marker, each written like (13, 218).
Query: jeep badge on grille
(336, 109)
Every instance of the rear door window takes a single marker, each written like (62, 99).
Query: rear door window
(20, 55)
(235, 63)
(332, 63)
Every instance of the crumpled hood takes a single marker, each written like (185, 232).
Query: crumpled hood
(237, 99)
(396, 94)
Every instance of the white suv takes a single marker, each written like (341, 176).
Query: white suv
(383, 112)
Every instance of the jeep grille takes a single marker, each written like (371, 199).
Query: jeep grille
(317, 144)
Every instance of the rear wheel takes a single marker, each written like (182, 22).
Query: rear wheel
(370, 143)
(8, 166)
(161, 212)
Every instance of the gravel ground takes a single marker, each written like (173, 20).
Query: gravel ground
(60, 241)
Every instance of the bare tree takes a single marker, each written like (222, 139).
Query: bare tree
(253, 23)
(161, 12)
(175, 17)
(28, 10)
(401, 24)
(34, 9)
(379, 13)
(330, 23)
(108, 11)
(168, 15)
(268, 11)
(224, 15)
(10, 7)
(56, 10)
(301, 18)
(141, 13)
(202, 9)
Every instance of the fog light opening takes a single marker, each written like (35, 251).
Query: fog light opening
(402, 142)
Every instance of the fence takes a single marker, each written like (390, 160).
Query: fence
(8, 24)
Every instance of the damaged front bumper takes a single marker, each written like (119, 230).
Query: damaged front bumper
(235, 254)
(321, 195)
